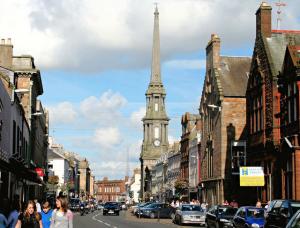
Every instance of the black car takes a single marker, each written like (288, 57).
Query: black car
(74, 204)
(220, 216)
(111, 208)
(294, 221)
(154, 210)
(280, 212)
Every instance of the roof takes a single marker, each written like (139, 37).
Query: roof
(233, 74)
(276, 47)
(294, 51)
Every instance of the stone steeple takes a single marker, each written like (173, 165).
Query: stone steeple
(155, 122)
(155, 70)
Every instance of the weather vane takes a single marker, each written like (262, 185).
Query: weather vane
(279, 4)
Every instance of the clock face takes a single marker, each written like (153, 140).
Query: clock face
(156, 142)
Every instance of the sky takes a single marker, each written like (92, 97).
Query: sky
(95, 59)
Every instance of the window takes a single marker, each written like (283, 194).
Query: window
(156, 132)
(292, 102)
(156, 107)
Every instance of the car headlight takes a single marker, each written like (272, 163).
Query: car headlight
(224, 220)
(255, 225)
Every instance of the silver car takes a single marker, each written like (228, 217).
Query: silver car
(189, 214)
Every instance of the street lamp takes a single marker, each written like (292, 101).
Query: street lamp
(215, 107)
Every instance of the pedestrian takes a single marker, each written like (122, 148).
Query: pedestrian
(258, 204)
(268, 205)
(234, 204)
(62, 217)
(14, 214)
(46, 214)
(30, 218)
(225, 203)
(3, 211)
(38, 206)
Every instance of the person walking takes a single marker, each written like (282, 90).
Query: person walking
(38, 206)
(30, 218)
(62, 217)
(14, 214)
(46, 214)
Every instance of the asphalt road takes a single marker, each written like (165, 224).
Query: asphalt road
(124, 220)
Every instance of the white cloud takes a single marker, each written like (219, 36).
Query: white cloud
(97, 35)
(136, 118)
(104, 110)
(107, 137)
(63, 113)
(186, 64)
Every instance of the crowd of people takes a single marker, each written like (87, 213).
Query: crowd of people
(32, 215)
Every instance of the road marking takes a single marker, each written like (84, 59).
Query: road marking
(98, 220)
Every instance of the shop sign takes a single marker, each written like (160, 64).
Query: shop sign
(252, 176)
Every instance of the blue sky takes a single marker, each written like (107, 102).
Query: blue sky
(95, 59)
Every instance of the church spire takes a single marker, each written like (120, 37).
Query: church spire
(155, 70)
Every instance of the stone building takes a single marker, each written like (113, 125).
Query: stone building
(194, 159)
(155, 122)
(111, 190)
(289, 87)
(28, 86)
(85, 178)
(173, 169)
(222, 110)
(263, 106)
(187, 122)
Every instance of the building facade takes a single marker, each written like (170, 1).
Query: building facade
(110, 190)
(222, 110)
(155, 122)
(265, 140)
(135, 186)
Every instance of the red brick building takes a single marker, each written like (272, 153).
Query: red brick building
(263, 103)
(110, 190)
(222, 108)
(289, 87)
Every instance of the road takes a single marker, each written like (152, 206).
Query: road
(125, 220)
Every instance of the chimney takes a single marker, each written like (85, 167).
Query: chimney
(264, 20)
(6, 53)
(213, 52)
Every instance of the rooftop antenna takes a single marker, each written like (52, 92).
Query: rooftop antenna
(279, 4)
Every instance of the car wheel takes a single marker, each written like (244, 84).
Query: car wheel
(152, 215)
(172, 215)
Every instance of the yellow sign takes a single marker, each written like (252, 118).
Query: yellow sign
(252, 176)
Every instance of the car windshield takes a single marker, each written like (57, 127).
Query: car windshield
(191, 208)
(111, 203)
(151, 206)
(255, 213)
(227, 210)
(295, 207)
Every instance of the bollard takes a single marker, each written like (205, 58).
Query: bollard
(158, 214)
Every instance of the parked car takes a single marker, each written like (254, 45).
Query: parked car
(110, 208)
(280, 212)
(220, 216)
(154, 210)
(139, 206)
(99, 206)
(189, 214)
(294, 221)
(249, 217)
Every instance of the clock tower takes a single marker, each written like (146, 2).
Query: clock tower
(155, 122)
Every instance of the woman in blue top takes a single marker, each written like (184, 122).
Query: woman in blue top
(46, 214)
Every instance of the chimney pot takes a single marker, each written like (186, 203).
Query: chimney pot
(2, 41)
(9, 41)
